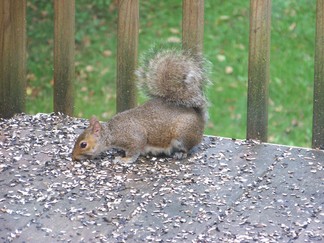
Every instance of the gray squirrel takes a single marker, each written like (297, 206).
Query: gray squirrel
(172, 121)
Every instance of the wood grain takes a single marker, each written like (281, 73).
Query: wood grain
(318, 112)
(127, 52)
(258, 70)
(64, 44)
(193, 25)
(12, 56)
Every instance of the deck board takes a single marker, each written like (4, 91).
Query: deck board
(227, 190)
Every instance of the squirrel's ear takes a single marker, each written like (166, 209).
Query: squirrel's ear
(93, 120)
(96, 128)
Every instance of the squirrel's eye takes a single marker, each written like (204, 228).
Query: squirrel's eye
(83, 144)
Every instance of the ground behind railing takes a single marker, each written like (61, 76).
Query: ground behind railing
(257, 119)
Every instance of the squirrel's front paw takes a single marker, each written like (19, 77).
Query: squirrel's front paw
(180, 155)
(125, 160)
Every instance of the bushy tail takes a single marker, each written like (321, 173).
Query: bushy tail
(175, 76)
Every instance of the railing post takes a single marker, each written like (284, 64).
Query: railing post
(318, 111)
(258, 70)
(127, 52)
(193, 25)
(64, 70)
(12, 57)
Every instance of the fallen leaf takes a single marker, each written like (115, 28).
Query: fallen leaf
(229, 70)
(29, 91)
(107, 53)
(292, 26)
(221, 58)
(174, 30)
(174, 39)
(89, 68)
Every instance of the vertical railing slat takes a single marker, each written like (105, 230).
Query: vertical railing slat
(318, 111)
(64, 44)
(193, 25)
(12, 57)
(258, 70)
(127, 52)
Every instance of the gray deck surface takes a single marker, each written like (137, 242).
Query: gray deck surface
(227, 191)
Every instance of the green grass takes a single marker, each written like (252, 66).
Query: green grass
(225, 45)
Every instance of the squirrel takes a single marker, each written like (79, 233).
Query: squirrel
(171, 122)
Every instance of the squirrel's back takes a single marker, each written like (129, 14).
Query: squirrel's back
(174, 76)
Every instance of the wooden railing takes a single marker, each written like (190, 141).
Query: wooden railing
(318, 109)
(13, 58)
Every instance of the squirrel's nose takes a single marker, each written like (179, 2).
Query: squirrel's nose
(75, 157)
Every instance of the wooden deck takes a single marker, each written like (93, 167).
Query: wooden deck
(227, 191)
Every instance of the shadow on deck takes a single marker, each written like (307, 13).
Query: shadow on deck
(230, 191)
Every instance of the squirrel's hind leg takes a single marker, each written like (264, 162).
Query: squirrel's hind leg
(179, 150)
(180, 155)
(182, 146)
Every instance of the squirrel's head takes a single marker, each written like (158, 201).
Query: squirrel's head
(87, 144)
